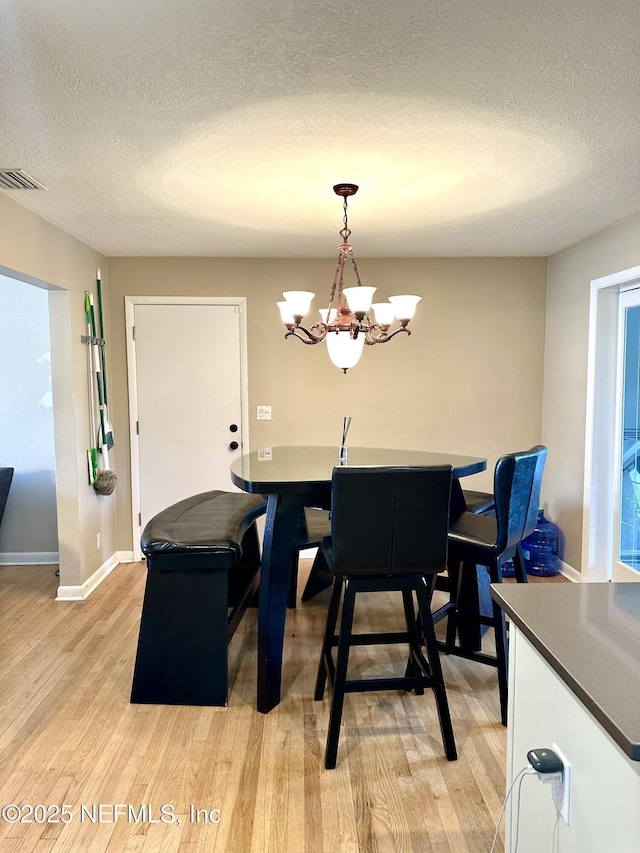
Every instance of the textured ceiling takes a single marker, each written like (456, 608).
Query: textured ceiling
(218, 127)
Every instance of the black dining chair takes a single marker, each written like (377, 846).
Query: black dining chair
(480, 503)
(388, 533)
(481, 540)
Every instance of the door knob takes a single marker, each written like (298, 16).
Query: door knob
(233, 428)
(233, 445)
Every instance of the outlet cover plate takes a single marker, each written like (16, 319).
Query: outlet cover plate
(561, 791)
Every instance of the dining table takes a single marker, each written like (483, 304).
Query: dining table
(291, 478)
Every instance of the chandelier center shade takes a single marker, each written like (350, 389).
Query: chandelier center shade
(351, 319)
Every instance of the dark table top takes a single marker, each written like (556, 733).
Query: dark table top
(284, 469)
(589, 633)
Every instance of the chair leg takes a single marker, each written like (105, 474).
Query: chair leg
(502, 653)
(469, 628)
(412, 670)
(502, 645)
(337, 702)
(519, 567)
(327, 643)
(424, 593)
(293, 580)
(455, 579)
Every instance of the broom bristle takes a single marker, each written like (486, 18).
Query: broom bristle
(105, 481)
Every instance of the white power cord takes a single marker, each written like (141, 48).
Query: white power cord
(524, 772)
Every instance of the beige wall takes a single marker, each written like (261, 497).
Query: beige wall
(468, 380)
(33, 250)
(565, 383)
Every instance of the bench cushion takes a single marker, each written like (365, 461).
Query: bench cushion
(211, 521)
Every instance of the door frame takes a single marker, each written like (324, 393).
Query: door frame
(619, 570)
(601, 402)
(130, 303)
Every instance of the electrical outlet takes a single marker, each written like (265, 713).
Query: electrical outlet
(264, 413)
(561, 791)
(97, 542)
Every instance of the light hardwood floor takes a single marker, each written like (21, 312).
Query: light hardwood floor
(68, 735)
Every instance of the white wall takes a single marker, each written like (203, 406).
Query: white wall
(29, 530)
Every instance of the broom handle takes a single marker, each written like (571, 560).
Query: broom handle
(99, 380)
(102, 345)
(92, 405)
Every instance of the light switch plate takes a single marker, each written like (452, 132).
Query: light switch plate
(264, 413)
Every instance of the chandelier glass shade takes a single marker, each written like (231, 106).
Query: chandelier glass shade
(351, 319)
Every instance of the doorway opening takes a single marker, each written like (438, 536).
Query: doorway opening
(29, 534)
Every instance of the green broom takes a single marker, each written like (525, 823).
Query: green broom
(103, 361)
(92, 452)
(106, 478)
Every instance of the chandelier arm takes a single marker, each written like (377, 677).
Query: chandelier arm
(308, 336)
(382, 339)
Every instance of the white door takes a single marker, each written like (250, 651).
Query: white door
(187, 406)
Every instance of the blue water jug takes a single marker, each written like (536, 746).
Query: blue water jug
(507, 569)
(541, 550)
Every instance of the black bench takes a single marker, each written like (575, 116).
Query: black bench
(203, 559)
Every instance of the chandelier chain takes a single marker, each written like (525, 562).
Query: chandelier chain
(345, 233)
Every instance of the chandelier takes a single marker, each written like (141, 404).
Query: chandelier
(347, 324)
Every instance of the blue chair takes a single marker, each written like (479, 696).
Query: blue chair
(481, 540)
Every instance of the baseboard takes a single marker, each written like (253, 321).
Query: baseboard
(124, 556)
(29, 558)
(83, 591)
(570, 573)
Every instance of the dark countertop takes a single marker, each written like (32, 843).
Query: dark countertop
(589, 633)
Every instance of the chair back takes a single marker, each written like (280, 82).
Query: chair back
(517, 482)
(388, 521)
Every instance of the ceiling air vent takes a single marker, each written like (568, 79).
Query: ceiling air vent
(17, 179)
